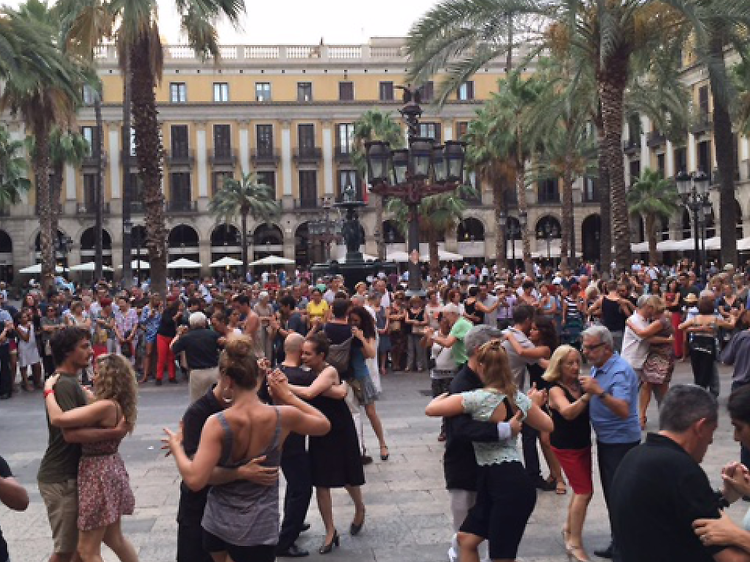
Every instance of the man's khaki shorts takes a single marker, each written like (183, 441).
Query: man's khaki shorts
(61, 500)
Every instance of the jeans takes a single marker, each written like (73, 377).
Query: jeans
(610, 456)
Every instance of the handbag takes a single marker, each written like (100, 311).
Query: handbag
(356, 387)
(432, 361)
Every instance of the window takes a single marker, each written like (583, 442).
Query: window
(346, 91)
(267, 178)
(590, 190)
(347, 178)
(308, 188)
(306, 138)
(179, 138)
(430, 131)
(304, 91)
(180, 194)
(548, 192)
(177, 92)
(661, 164)
(680, 159)
(222, 141)
(221, 92)
(88, 95)
(462, 127)
(386, 91)
(704, 157)
(89, 192)
(466, 91)
(635, 171)
(89, 134)
(218, 181)
(703, 100)
(344, 138)
(428, 90)
(262, 91)
(264, 138)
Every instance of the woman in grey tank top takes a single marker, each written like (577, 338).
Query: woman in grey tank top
(241, 517)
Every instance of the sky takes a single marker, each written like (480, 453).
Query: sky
(301, 22)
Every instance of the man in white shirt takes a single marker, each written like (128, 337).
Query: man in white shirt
(634, 347)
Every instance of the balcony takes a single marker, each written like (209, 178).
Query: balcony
(306, 204)
(182, 158)
(702, 123)
(182, 206)
(308, 155)
(655, 138)
(89, 209)
(631, 145)
(343, 154)
(224, 158)
(715, 178)
(90, 161)
(265, 158)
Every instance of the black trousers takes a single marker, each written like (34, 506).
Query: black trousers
(529, 437)
(6, 378)
(190, 541)
(744, 452)
(610, 456)
(298, 475)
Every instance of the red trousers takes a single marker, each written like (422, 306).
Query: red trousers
(164, 355)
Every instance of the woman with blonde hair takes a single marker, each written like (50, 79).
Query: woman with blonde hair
(104, 493)
(571, 440)
(506, 496)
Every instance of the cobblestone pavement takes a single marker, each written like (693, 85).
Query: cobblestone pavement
(408, 518)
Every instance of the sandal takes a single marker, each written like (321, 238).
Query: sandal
(577, 554)
(384, 457)
(561, 488)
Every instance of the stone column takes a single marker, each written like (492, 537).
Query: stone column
(115, 157)
(669, 171)
(692, 154)
(327, 157)
(201, 158)
(645, 150)
(286, 164)
(244, 149)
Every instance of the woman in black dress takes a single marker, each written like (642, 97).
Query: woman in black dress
(334, 458)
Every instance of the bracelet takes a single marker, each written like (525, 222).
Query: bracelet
(48, 392)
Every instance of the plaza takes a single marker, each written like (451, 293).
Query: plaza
(408, 516)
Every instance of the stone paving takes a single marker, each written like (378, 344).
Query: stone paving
(408, 518)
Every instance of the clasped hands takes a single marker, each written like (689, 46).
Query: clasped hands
(723, 530)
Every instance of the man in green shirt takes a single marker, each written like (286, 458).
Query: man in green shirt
(58, 472)
(460, 326)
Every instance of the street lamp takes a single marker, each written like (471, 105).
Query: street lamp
(64, 245)
(413, 174)
(693, 188)
(325, 229)
(547, 232)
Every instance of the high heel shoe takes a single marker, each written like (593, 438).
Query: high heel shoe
(355, 528)
(328, 547)
(384, 457)
(574, 551)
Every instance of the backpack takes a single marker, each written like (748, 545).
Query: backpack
(339, 355)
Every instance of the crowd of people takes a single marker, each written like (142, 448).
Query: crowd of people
(281, 370)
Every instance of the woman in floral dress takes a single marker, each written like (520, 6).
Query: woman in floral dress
(104, 493)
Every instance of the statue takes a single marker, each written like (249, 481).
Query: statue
(351, 233)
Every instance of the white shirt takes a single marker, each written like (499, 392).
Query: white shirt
(517, 362)
(634, 348)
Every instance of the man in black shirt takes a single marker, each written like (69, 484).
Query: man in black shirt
(295, 463)
(201, 347)
(192, 504)
(659, 488)
(12, 495)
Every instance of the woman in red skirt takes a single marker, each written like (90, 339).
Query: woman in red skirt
(571, 441)
(672, 299)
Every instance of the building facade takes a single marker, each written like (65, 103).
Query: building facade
(286, 113)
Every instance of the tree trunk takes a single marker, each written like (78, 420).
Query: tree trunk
(509, 54)
(55, 190)
(41, 174)
(725, 148)
(98, 190)
(501, 245)
(650, 223)
(522, 206)
(567, 226)
(127, 188)
(244, 247)
(605, 214)
(149, 152)
(612, 81)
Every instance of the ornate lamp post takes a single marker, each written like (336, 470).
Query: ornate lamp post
(64, 245)
(414, 173)
(547, 232)
(325, 229)
(693, 188)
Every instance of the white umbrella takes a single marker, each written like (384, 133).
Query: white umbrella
(88, 266)
(184, 263)
(398, 257)
(135, 264)
(639, 247)
(226, 261)
(365, 257)
(273, 260)
(445, 255)
(37, 269)
(743, 244)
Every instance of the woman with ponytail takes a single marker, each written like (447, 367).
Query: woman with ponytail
(241, 519)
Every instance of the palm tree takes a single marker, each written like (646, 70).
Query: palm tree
(44, 92)
(438, 214)
(375, 125)
(13, 170)
(741, 78)
(464, 35)
(245, 197)
(653, 198)
(134, 23)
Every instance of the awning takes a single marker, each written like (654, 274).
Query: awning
(89, 266)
